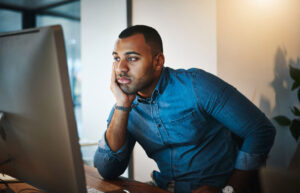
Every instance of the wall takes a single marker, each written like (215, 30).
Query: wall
(188, 30)
(256, 41)
(101, 22)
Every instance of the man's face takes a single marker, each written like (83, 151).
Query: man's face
(134, 68)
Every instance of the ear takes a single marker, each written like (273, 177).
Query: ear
(159, 61)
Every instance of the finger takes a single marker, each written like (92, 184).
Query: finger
(113, 74)
(114, 85)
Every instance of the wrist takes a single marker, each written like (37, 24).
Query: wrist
(122, 108)
(124, 104)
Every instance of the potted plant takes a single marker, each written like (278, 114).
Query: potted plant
(294, 124)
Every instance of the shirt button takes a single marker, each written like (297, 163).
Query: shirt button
(153, 102)
(158, 125)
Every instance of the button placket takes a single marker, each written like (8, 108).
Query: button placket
(158, 122)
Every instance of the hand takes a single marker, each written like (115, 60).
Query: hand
(207, 189)
(122, 98)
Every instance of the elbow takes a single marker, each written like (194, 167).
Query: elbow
(108, 167)
(108, 170)
(106, 174)
(269, 137)
(102, 163)
(261, 140)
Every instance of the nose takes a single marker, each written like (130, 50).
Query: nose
(121, 66)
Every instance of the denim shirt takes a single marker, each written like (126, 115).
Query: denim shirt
(187, 127)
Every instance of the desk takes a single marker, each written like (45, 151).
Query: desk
(94, 180)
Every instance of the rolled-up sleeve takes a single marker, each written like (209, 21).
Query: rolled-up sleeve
(112, 164)
(233, 110)
(247, 161)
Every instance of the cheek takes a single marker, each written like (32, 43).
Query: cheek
(138, 70)
(146, 76)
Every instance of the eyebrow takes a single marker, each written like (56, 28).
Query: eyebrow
(128, 53)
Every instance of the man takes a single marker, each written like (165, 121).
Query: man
(184, 119)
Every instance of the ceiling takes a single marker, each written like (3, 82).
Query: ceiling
(63, 8)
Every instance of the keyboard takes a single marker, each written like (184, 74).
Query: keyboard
(93, 190)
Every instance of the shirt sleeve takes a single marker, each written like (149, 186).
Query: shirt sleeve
(233, 110)
(112, 164)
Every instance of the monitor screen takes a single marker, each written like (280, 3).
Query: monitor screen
(39, 143)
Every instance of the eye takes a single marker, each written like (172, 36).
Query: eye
(132, 59)
(116, 59)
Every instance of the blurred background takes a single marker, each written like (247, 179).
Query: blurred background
(249, 43)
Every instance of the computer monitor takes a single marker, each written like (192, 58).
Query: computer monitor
(39, 142)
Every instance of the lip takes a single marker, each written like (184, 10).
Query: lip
(124, 80)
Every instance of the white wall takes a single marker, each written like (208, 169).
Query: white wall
(257, 40)
(188, 30)
(101, 22)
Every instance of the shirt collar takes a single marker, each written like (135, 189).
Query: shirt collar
(162, 83)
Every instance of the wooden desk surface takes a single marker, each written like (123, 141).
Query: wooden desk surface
(94, 180)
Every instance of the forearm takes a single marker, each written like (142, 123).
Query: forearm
(116, 132)
(111, 163)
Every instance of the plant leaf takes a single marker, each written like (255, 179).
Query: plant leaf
(282, 120)
(295, 85)
(295, 73)
(295, 111)
(295, 129)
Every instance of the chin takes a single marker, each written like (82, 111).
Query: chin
(127, 90)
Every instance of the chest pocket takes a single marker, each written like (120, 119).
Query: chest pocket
(187, 128)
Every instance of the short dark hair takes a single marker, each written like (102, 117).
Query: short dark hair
(150, 34)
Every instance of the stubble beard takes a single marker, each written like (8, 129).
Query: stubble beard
(128, 90)
(134, 87)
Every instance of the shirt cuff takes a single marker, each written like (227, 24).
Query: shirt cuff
(247, 161)
(121, 154)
